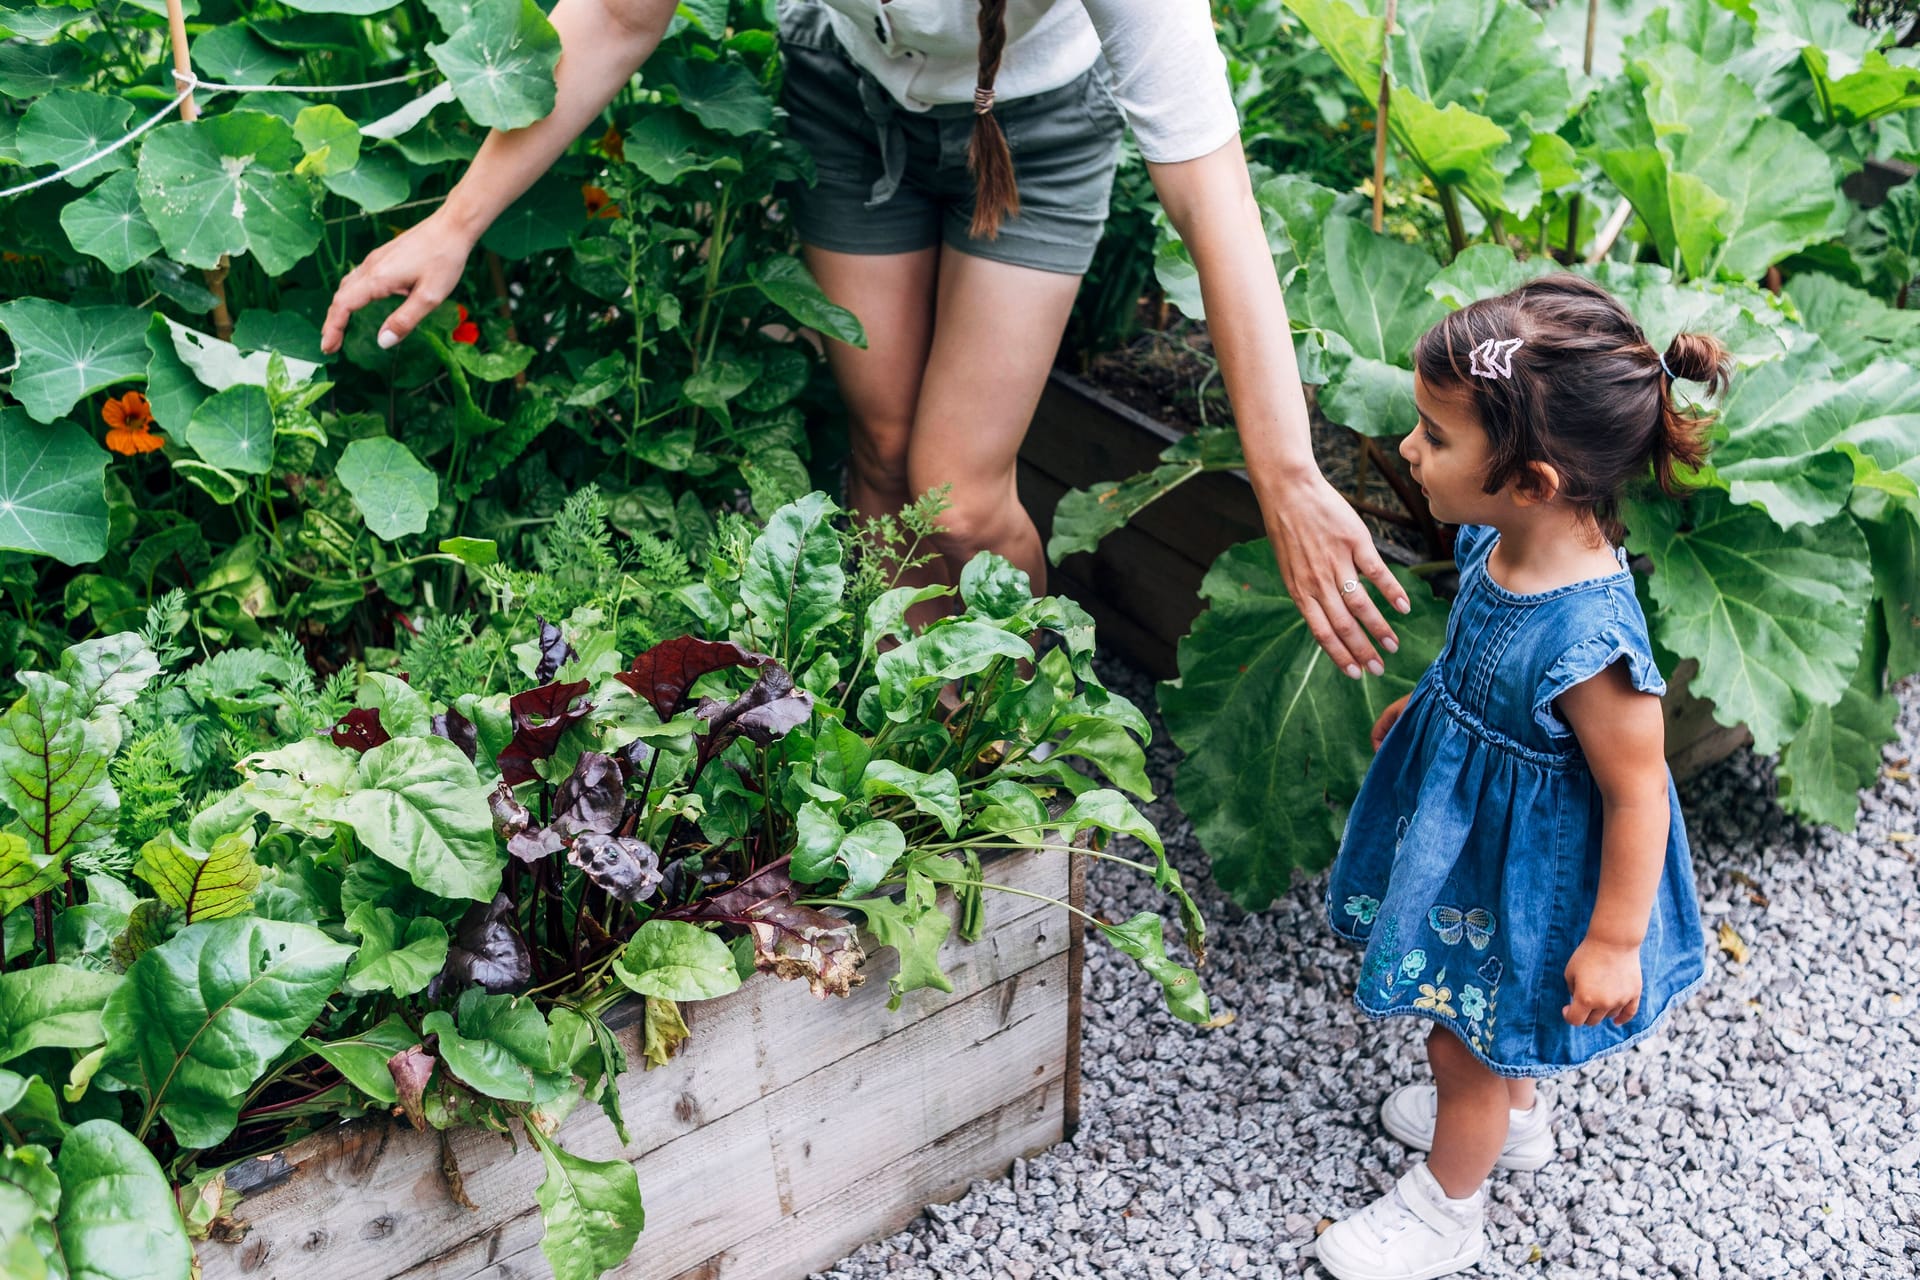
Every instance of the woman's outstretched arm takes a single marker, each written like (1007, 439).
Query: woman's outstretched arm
(1320, 542)
(602, 43)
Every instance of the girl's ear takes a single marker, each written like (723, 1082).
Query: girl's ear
(1538, 483)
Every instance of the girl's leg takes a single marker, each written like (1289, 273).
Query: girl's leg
(1472, 1124)
(996, 331)
(1521, 1094)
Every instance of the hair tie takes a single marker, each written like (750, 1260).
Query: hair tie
(1666, 369)
(982, 100)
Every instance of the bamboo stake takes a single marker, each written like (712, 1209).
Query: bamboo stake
(190, 111)
(1380, 123)
(1586, 65)
(1615, 224)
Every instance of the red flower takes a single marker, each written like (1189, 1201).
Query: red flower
(599, 205)
(466, 331)
(129, 422)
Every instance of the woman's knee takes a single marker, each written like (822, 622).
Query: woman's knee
(877, 455)
(976, 517)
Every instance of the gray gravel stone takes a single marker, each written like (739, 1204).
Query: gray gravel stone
(1773, 1130)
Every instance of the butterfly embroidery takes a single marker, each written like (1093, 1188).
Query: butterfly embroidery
(1363, 908)
(1451, 922)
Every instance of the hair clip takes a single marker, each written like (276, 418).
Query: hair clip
(1494, 357)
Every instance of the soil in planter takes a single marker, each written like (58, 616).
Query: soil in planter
(1170, 373)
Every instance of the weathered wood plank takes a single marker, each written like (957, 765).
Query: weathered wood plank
(369, 1199)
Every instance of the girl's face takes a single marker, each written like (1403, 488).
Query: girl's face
(1448, 454)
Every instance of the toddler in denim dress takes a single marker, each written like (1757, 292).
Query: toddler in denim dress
(1515, 864)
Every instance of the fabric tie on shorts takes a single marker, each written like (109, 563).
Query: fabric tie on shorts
(885, 114)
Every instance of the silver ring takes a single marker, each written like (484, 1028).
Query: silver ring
(1350, 586)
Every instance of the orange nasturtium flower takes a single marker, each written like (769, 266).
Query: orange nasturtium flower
(129, 422)
(597, 201)
(612, 145)
(466, 331)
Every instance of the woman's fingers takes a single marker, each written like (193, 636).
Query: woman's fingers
(1324, 634)
(419, 305)
(1339, 607)
(361, 286)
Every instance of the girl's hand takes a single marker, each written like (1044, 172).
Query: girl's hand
(424, 262)
(1603, 979)
(1328, 560)
(1389, 718)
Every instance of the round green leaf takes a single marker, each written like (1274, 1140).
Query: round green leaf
(500, 63)
(71, 124)
(231, 52)
(67, 353)
(109, 224)
(52, 493)
(380, 181)
(721, 95)
(667, 146)
(233, 430)
(202, 1016)
(35, 70)
(39, 21)
(331, 140)
(221, 185)
(118, 1218)
(394, 492)
(675, 960)
(544, 218)
(417, 803)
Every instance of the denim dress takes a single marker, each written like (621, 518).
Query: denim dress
(1471, 859)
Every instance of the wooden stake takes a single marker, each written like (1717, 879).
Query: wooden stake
(1615, 224)
(1380, 122)
(1586, 65)
(190, 111)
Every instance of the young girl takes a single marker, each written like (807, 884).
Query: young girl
(1515, 864)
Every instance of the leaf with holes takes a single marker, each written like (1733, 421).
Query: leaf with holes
(68, 353)
(500, 63)
(52, 495)
(223, 185)
(233, 430)
(109, 224)
(394, 492)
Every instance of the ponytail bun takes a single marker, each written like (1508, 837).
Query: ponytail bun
(996, 194)
(1686, 427)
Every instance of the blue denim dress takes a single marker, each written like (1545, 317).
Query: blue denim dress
(1471, 859)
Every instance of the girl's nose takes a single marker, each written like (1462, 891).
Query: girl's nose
(1407, 450)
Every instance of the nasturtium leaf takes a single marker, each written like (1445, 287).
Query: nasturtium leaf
(500, 62)
(207, 884)
(108, 223)
(396, 954)
(68, 353)
(330, 139)
(222, 486)
(69, 125)
(35, 70)
(417, 803)
(232, 53)
(363, 1058)
(118, 1217)
(720, 95)
(788, 284)
(666, 146)
(233, 430)
(545, 218)
(1775, 617)
(220, 365)
(1272, 730)
(354, 8)
(52, 1006)
(1837, 752)
(38, 21)
(379, 181)
(793, 583)
(202, 1016)
(287, 332)
(591, 1209)
(394, 492)
(223, 185)
(1141, 938)
(52, 495)
(677, 961)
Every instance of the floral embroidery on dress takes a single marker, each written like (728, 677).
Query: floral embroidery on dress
(1473, 1003)
(1451, 922)
(1363, 908)
(1435, 998)
(1414, 963)
(1382, 962)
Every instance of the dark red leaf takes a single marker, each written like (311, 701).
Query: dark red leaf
(540, 716)
(663, 674)
(623, 866)
(360, 730)
(591, 799)
(510, 817)
(769, 710)
(486, 951)
(789, 941)
(411, 1069)
(554, 651)
(632, 758)
(458, 730)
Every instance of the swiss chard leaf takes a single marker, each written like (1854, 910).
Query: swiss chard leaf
(591, 1209)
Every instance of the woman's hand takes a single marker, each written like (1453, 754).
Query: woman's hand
(1327, 559)
(1603, 981)
(1388, 718)
(424, 263)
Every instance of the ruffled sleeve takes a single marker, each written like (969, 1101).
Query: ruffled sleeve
(1469, 542)
(1616, 642)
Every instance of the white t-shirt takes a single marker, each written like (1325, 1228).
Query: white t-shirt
(1168, 73)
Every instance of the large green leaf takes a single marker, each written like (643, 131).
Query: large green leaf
(500, 62)
(223, 185)
(1798, 445)
(591, 1209)
(500, 1045)
(1893, 536)
(68, 353)
(1855, 327)
(793, 582)
(233, 430)
(396, 954)
(118, 1218)
(231, 52)
(220, 365)
(1837, 752)
(52, 489)
(205, 884)
(363, 1058)
(721, 95)
(417, 803)
(1696, 151)
(109, 224)
(394, 492)
(35, 70)
(52, 1006)
(1774, 616)
(1085, 516)
(69, 125)
(1855, 76)
(1748, 320)
(1372, 291)
(202, 1016)
(544, 218)
(788, 284)
(675, 960)
(1275, 735)
(666, 146)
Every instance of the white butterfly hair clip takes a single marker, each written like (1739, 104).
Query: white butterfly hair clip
(1494, 358)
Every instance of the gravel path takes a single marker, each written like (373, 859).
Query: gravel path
(1773, 1130)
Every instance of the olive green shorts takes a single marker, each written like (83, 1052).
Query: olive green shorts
(890, 180)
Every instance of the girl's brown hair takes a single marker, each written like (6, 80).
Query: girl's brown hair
(989, 159)
(1587, 393)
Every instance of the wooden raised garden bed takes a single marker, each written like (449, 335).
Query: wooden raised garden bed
(1142, 585)
(786, 1133)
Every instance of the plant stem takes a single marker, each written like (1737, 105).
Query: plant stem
(1380, 121)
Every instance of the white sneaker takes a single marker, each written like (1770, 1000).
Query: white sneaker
(1411, 1233)
(1410, 1111)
